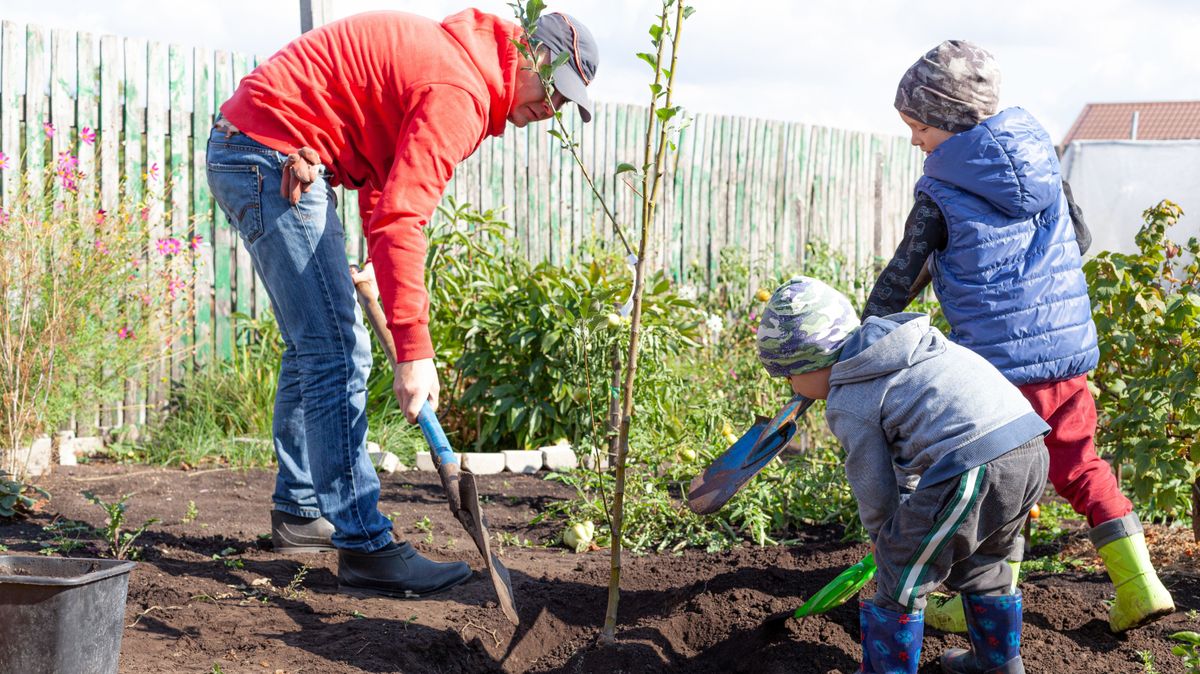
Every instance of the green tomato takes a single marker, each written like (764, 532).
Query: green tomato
(579, 536)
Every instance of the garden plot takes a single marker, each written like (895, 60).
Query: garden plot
(210, 596)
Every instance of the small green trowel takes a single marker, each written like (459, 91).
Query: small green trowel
(837, 592)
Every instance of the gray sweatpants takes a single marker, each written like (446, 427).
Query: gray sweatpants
(960, 532)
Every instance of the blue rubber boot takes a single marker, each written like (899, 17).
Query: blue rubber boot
(891, 641)
(994, 629)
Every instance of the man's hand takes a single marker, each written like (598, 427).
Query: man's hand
(415, 381)
(299, 172)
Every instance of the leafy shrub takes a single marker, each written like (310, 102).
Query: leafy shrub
(1147, 311)
(522, 346)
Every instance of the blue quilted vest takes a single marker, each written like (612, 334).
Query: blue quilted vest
(1010, 279)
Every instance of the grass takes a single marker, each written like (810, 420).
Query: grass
(222, 414)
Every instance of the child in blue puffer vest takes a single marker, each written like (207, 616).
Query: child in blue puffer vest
(995, 227)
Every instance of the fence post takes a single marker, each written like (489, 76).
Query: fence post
(313, 13)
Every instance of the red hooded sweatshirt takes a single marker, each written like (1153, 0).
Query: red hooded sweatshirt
(392, 102)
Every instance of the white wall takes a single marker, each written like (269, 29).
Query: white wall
(1114, 181)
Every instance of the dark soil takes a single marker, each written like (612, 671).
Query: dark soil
(693, 612)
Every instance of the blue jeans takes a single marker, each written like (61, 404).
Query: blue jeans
(320, 423)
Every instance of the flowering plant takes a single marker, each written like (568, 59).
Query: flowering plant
(88, 297)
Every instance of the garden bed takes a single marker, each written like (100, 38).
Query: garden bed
(211, 593)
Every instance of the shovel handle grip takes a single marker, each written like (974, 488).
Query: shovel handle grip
(435, 436)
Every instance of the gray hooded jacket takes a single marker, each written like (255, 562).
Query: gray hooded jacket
(913, 409)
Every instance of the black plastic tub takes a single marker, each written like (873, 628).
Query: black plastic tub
(61, 615)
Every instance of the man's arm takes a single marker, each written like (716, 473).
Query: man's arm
(906, 275)
(445, 125)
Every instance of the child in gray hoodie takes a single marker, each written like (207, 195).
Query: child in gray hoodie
(944, 456)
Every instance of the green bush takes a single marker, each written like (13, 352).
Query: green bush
(522, 348)
(1147, 311)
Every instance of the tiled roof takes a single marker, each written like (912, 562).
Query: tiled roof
(1168, 120)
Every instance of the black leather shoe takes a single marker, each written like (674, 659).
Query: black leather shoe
(292, 533)
(396, 571)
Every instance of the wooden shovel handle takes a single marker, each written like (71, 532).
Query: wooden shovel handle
(368, 299)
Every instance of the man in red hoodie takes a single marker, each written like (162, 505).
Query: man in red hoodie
(388, 104)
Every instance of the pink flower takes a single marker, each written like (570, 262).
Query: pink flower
(4, 162)
(125, 333)
(196, 241)
(101, 215)
(101, 247)
(48, 129)
(3, 216)
(170, 246)
(87, 135)
(67, 169)
(174, 287)
(152, 172)
(146, 299)
(146, 213)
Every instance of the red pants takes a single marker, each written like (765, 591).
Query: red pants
(1080, 476)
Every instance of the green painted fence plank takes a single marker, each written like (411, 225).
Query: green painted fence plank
(86, 111)
(134, 148)
(157, 176)
(36, 114)
(178, 185)
(63, 73)
(202, 204)
(87, 117)
(12, 44)
(243, 300)
(224, 240)
(111, 75)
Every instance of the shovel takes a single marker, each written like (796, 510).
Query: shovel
(730, 471)
(459, 483)
(837, 592)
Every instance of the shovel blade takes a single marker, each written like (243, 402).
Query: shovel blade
(472, 520)
(839, 590)
(720, 481)
(730, 471)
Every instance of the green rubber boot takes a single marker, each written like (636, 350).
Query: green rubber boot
(1141, 597)
(945, 611)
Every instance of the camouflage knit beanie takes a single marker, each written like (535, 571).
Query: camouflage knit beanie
(953, 87)
(804, 327)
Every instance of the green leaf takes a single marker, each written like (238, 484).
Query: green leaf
(624, 167)
(665, 114)
(656, 32)
(649, 58)
(656, 90)
(688, 11)
(534, 9)
(562, 58)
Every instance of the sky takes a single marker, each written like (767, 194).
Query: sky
(827, 62)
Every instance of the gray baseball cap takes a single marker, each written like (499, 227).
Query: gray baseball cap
(559, 33)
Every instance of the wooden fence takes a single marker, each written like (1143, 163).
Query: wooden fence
(765, 186)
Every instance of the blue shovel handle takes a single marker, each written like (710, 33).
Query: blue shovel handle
(435, 436)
